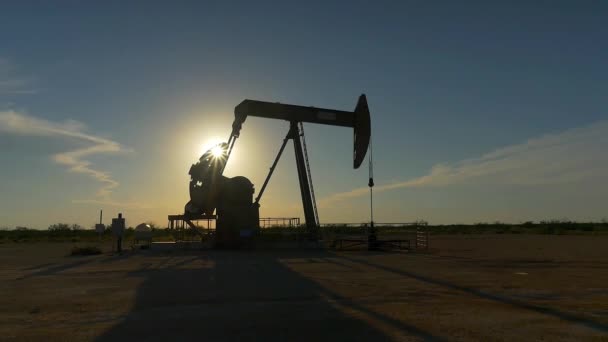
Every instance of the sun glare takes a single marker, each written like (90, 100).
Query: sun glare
(217, 151)
(209, 144)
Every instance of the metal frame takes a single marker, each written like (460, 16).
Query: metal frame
(390, 244)
(296, 134)
(179, 223)
(288, 222)
(359, 120)
(420, 237)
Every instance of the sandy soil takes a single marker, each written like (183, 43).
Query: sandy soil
(480, 288)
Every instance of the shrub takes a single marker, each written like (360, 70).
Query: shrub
(59, 227)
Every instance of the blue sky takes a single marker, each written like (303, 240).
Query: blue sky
(480, 111)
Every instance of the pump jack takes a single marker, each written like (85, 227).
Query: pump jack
(233, 196)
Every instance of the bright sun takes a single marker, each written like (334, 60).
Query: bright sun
(215, 146)
(209, 144)
(217, 151)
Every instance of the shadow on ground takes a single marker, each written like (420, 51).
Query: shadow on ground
(55, 268)
(545, 310)
(240, 296)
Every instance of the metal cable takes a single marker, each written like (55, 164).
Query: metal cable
(371, 183)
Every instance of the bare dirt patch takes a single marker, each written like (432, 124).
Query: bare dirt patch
(469, 287)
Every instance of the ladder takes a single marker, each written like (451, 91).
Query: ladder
(308, 173)
(422, 237)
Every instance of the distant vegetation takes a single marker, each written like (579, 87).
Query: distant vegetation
(64, 227)
(543, 227)
(62, 232)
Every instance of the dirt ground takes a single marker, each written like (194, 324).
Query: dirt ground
(469, 287)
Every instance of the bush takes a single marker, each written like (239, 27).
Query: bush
(59, 227)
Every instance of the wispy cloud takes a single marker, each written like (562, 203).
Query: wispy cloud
(571, 156)
(75, 160)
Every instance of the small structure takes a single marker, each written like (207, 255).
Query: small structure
(118, 228)
(100, 227)
(143, 233)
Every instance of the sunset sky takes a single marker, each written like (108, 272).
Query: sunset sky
(481, 111)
